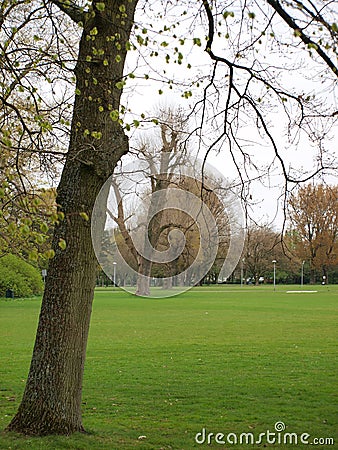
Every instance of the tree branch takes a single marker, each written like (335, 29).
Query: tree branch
(120, 220)
(69, 8)
(309, 42)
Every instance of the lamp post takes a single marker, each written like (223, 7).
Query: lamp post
(114, 276)
(274, 274)
(302, 277)
(242, 272)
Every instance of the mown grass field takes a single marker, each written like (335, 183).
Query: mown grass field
(227, 359)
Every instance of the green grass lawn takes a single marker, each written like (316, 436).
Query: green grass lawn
(227, 359)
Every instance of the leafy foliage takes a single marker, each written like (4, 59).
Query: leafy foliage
(313, 213)
(16, 274)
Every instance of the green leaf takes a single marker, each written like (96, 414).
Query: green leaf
(114, 115)
(100, 6)
(62, 244)
(33, 256)
(120, 84)
(96, 134)
(334, 27)
(25, 229)
(54, 217)
(49, 254)
(84, 216)
(12, 227)
(39, 239)
(44, 227)
(7, 142)
(187, 94)
(227, 14)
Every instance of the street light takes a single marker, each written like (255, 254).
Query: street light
(302, 277)
(114, 276)
(274, 274)
(242, 272)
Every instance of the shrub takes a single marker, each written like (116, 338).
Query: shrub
(20, 276)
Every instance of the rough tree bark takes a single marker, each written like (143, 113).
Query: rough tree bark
(52, 399)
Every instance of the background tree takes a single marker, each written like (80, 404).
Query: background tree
(168, 173)
(161, 159)
(260, 249)
(313, 216)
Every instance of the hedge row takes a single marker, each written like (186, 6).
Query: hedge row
(16, 274)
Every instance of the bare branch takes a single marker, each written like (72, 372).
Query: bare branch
(72, 10)
(121, 222)
(309, 42)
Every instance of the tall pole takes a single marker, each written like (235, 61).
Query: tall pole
(274, 274)
(302, 277)
(114, 276)
(242, 271)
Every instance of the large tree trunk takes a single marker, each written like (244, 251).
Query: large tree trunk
(52, 399)
(154, 222)
(143, 278)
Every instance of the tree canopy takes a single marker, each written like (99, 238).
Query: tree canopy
(313, 213)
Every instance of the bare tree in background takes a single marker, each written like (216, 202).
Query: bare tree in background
(162, 157)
